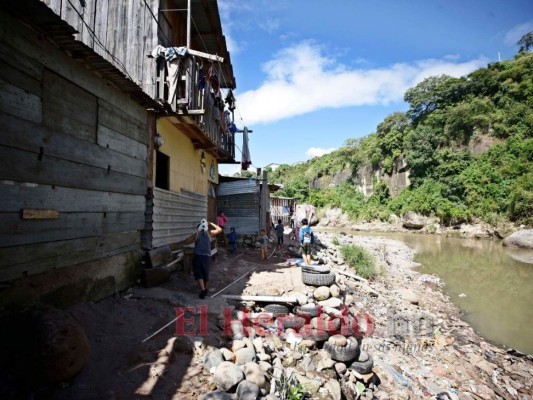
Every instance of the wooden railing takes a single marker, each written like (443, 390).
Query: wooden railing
(193, 97)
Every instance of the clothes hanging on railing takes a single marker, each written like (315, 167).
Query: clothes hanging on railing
(245, 160)
(174, 57)
(173, 68)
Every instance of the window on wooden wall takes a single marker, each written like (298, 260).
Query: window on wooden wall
(162, 170)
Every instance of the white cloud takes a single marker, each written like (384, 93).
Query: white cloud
(514, 34)
(318, 152)
(229, 169)
(270, 25)
(301, 79)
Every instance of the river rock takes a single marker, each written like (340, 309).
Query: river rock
(243, 356)
(340, 368)
(321, 293)
(523, 238)
(338, 340)
(334, 290)
(227, 375)
(311, 385)
(334, 389)
(265, 367)
(247, 391)
(333, 302)
(227, 354)
(253, 373)
(412, 220)
(217, 395)
(408, 295)
(213, 358)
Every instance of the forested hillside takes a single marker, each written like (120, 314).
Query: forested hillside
(467, 142)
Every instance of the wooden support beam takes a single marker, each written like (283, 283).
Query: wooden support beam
(353, 276)
(270, 299)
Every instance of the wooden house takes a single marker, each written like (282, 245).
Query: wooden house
(102, 155)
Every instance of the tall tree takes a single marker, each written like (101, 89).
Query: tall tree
(526, 42)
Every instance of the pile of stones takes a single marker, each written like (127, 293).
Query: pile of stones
(314, 344)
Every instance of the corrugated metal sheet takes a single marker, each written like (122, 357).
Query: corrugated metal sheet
(176, 215)
(238, 187)
(242, 211)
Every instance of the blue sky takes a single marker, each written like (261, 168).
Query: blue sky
(311, 74)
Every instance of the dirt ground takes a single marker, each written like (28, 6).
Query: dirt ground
(124, 366)
(128, 360)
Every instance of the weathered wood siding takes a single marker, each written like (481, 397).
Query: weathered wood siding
(124, 32)
(70, 143)
(175, 215)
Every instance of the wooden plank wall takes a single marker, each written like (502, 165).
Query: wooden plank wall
(123, 32)
(67, 151)
(175, 215)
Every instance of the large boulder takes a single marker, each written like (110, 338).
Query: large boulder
(523, 239)
(227, 375)
(44, 344)
(412, 220)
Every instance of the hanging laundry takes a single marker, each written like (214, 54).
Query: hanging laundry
(172, 53)
(245, 160)
(213, 79)
(173, 68)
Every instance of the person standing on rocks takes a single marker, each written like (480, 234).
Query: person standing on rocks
(201, 260)
(306, 239)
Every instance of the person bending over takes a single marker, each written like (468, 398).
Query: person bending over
(201, 260)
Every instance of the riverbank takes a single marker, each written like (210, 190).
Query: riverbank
(414, 223)
(453, 359)
(420, 346)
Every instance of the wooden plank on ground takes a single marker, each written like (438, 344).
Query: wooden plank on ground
(23, 166)
(19, 261)
(14, 197)
(159, 256)
(16, 231)
(39, 139)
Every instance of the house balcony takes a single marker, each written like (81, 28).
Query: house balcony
(192, 106)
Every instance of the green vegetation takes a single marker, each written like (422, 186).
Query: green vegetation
(360, 260)
(467, 143)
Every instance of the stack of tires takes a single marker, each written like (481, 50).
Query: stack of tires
(317, 275)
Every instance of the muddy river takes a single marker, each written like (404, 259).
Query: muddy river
(491, 284)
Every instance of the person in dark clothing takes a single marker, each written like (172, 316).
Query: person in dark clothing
(233, 238)
(202, 253)
(279, 233)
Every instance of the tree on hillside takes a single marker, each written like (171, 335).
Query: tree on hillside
(432, 93)
(525, 42)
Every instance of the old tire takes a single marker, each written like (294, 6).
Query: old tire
(318, 279)
(363, 367)
(291, 322)
(276, 309)
(316, 269)
(316, 335)
(343, 353)
(307, 311)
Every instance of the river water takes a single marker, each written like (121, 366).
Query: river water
(495, 283)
